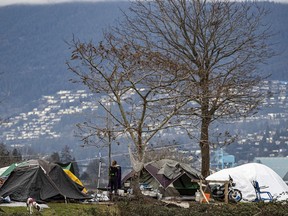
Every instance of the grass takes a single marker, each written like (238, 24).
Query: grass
(146, 207)
(62, 209)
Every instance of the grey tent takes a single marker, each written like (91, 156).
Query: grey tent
(170, 177)
(41, 180)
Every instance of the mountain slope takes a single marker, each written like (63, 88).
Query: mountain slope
(33, 45)
(33, 52)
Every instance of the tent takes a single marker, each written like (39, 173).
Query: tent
(67, 166)
(70, 171)
(75, 179)
(41, 180)
(170, 177)
(244, 175)
(5, 171)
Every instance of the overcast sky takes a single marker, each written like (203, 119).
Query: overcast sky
(9, 2)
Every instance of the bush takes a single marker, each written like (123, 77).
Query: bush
(158, 208)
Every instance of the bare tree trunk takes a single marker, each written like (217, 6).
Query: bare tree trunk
(136, 185)
(205, 149)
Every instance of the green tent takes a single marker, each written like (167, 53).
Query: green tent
(69, 166)
(5, 171)
(41, 180)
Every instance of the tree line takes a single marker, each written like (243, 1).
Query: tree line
(8, 156)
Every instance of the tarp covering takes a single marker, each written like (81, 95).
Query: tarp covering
(166, 171)
(244, 175)
(5, 171)
(68, 166)
(40, 180)
(75, 179)
(171, 177)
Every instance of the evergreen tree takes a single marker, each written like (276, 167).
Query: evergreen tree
(66, 156)
(7, 157)
(16, 156)
(54, 157)
(4, 155)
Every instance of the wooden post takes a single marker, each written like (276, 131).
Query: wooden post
(226, 192)
(225, 182)
(202, 193)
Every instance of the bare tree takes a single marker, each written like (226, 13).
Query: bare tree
(100, 131)
(192, 60)
(138, 100)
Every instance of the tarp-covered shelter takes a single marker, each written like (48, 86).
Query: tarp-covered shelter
(41, 180)
(171, 178)
(244, 175)
(5, 171)
(70, 171)
(75, 179)
(68, 166)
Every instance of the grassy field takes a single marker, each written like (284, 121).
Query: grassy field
(65, 209)
(154, 207)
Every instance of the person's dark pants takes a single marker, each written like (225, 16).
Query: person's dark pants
(113, 184)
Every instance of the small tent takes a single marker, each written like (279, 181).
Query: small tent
(70, 171)
(41, 180)
(67, 166)
(170, 177)
(244, 175)
(75, 179)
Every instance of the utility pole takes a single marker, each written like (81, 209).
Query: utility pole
(99, 171)
(109, 134)
(222, 158)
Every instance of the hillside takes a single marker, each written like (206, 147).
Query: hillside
(34, 49)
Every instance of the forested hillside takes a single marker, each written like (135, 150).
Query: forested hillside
(34, 49)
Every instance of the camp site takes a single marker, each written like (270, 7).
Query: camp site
(144, 107)
(166, 185)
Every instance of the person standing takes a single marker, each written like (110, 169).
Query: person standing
(113, 177)
(119, 176)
